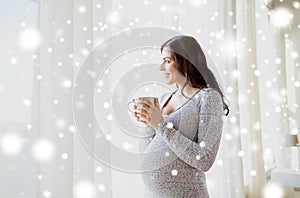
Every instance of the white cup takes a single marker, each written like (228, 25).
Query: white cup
(137, 100)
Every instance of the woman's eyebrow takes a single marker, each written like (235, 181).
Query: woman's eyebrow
(166, 58)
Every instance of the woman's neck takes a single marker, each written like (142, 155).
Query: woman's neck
(187, 91)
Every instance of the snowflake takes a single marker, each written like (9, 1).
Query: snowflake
(220, 162)
(174, 172)
(106, 105)
(64, 156)
(84, 189)
(240, 153)
(30, 39)
(67, 83)
(47, 193)
(29, 126)
(13, 60)
(253, 173)
(163, 8)
(109, 117)
(40, 177)
(43, 150)
(99, 169)
(101, 188)
(277, 61)
(273, 190)
(233, 119)
(81, 9)
(11, 144)
(202, 144)
(170, 125)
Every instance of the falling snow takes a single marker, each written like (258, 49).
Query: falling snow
(253, 173)
(43, 150)
(202, 144)
(267, 72)
(11, 144)
(170, 125)
(64, 156)
(47, 194)
(84, 189)
(101, 188)
(30, 39)
(174, 172)
(99, 169)
(273, 190)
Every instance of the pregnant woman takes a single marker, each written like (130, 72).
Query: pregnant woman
(184, 125)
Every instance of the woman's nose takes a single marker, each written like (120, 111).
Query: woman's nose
(161, 67)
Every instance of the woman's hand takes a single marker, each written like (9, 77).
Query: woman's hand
(148, 113)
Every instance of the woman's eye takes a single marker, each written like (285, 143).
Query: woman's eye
(165, 61)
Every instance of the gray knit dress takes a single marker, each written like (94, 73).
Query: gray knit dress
(184, 146)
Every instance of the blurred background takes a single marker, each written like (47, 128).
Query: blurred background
(51, 138)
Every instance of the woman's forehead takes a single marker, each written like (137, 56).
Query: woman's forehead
(166, 52)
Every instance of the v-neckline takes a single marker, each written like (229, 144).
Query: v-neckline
(169, 98)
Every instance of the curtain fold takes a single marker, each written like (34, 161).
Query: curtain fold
(83, 171)
(280, 53)
(103, 179)
(54, 113)
(247, 63)
(295, 38)
(233, 129)
(69, 31)
(283, 66)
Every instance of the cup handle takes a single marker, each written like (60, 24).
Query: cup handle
(129, 107)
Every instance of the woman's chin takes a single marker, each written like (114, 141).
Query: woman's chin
(169, 82)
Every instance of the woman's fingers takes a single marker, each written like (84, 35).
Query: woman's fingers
(145, 101)
(144, 122)
(138, 110)
(143, 112)
(142, 108)
(144, 104)
(142, 117)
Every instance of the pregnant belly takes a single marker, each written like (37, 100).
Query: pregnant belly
(175, 181)
(157, 155)
(165, 173)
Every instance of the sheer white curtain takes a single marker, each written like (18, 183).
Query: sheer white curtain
(70, 29)
(17, 169)
(53, 113)
(232, 130)
(249, 88)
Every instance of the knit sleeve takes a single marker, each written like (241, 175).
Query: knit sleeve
(200, 155)
(149, 132)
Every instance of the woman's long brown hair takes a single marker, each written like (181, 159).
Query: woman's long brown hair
(191, 62)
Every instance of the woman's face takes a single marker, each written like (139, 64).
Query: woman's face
(168, 67)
